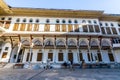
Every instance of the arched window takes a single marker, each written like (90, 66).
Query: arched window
(69, 21)
(37, 20)
(30, 20)
(60, 42)
(63, 21)
(71, 43)
(25, 42)
(47, 21)
(75, 21)
(18, 20)
(83, 43)
(83, 21)
(37, 43)
(49, 43)
(24, 20)
(57, 21)
(105, 43)
(93, 43)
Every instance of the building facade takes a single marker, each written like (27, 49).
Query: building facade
(36, 35)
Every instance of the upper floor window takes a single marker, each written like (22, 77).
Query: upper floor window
(24, 20)
(2, 18)
(112, 24)
(119, 24)
(18, 20)
(47, 21)
(76, 21)
(106, 24)
(83, 21)
(95, 22)
(89, 21)
(30, 20)
(6, 48)
(9, 18)
(57, 21)
(70, 21)
(101, 24)
(63, 21)
(37, 20)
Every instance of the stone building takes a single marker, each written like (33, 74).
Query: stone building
(35, 35)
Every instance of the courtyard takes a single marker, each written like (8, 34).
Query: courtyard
(60, 74)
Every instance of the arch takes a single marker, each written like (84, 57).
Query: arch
(25, 42)
(105, 42)
(94, 42)
(37, 42)
(49, 42)
(60, 42)
(83, 43)
(72, 42)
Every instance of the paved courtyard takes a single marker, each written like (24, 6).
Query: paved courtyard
(60, 74)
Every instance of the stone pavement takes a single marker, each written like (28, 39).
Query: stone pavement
(60, 74)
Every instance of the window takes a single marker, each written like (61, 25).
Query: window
(76, 28)
(101, 24)
(75, 21)
(37, 21)
(47, 27)
(30, 20)
(57, 27)
(28, 55)
(69, 21)
(111, 57)
(16, 25)
(50, 56)
(24, 20)
(83, 21)
(70, 28)
(103, 30)
(99, 56)
(95, 22)
(36, 27)
(119, 24)
(70, 56)
(22, 27)
(60, 56)
(47, 21)
(91, 28)
(39, 57)
(108, 30)
(9, 18)
(7, 25)
(18, 20)
(2, 18)
(111, 24)
(6, 48)
(106, 24)
(63, 27)
(97, 29)
(88, 55)
(57, 21)
(85, 29)
(4, 55)
(29, 27)
(89, 21)
(119, 30)
(63, 21)
(114, 30)
(81, 56)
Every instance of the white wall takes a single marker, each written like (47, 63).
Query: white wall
(8, 52)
